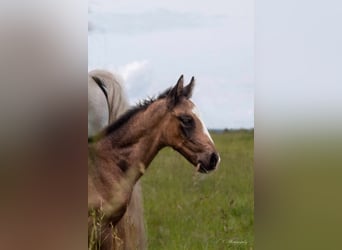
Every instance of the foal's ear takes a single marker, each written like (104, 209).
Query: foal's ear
(176, 92)
(187, 91)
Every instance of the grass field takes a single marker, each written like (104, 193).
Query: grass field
(188, 210)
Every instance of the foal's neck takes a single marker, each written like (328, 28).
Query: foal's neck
(138, 140)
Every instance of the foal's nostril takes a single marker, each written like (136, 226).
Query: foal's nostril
(213, 160)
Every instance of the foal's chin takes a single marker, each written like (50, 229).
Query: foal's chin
(202, 168)
(203, 162)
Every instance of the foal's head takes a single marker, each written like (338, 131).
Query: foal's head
(184, 130)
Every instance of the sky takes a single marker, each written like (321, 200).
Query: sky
(151, 43)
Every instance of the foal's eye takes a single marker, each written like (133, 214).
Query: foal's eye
(187, 121)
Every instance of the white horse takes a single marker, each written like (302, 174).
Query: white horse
(106, 102)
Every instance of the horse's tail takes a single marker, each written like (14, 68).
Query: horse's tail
(116, 96)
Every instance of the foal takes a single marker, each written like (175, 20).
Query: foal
(134, 140)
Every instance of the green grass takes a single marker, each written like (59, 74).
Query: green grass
(188, 210)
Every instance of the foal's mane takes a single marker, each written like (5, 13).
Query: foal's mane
(140, 106)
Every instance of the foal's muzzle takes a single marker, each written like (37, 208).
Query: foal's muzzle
(213, 161)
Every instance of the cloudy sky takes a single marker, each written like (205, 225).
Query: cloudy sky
(151, 43)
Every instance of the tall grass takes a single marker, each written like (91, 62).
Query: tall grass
(188, 210)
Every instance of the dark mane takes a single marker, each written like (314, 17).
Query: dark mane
(142, 105)
(102, 86)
